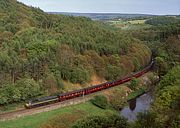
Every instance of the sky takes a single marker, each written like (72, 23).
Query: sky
(158, 7)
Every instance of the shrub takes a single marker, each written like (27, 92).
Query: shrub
(108, 121)
(146, 120)
(134, 83)
(100, 101)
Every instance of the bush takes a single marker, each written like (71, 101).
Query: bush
(146, 120)
(134, 83)
(108, 121)
(100, 101)
(117, 98)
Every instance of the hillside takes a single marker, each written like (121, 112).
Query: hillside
(40, 51)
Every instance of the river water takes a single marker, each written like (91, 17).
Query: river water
(140, 104)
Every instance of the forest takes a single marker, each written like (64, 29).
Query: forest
(40, 51)
(165, 109)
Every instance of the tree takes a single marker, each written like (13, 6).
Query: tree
(113, 72)
(160, 66)
(28, 88)
(9, 94)
(134, 83)
(79, 75)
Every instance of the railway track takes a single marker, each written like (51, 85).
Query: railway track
(76, 100)
(25, 112)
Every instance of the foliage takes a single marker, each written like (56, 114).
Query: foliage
(79, 76)
(146, 120)
(108, 121)
(136, 93)
(117, 97)
(100, 101)
(113, 72)
(160, 66)
(23, 89)
(53, 48)
(134, 83)
(166, 103)
(162, 20)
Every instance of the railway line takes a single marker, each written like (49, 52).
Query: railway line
(25, 112)
(40, 104)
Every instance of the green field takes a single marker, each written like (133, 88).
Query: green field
(129, 25)
(37, 120)
(137, 21)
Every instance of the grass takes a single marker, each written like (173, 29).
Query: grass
(137, 21)
(37, 120)
(129, 25)
(136, 93)
(136, 26)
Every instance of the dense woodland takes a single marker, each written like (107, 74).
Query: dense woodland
(164, 40)
(40, 51)
(165, 110)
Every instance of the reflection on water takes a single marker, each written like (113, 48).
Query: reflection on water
(139, 104)
(132, 104)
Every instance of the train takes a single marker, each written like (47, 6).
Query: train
(82, 92)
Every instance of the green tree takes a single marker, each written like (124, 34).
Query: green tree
(79, 75)
(9, 94)
(160, 66)
(28, 88)
(134, 83)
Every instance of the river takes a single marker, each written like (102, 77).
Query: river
(139, 104)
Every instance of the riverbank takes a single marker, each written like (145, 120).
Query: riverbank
(140, 104)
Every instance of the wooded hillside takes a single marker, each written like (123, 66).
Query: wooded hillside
(38, 51)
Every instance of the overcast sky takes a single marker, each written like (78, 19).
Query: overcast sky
(108, 6)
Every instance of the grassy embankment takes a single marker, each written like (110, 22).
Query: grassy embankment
(67, 114)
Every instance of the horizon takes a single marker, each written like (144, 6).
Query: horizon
(153, 7)
(115, 13)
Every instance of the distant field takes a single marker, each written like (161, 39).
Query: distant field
(135, 27)
(67, 114)
(129, 25)
(137, 21)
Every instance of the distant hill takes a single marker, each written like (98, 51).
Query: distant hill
(103, 16)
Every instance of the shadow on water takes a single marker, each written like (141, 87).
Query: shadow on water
(139, 104)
